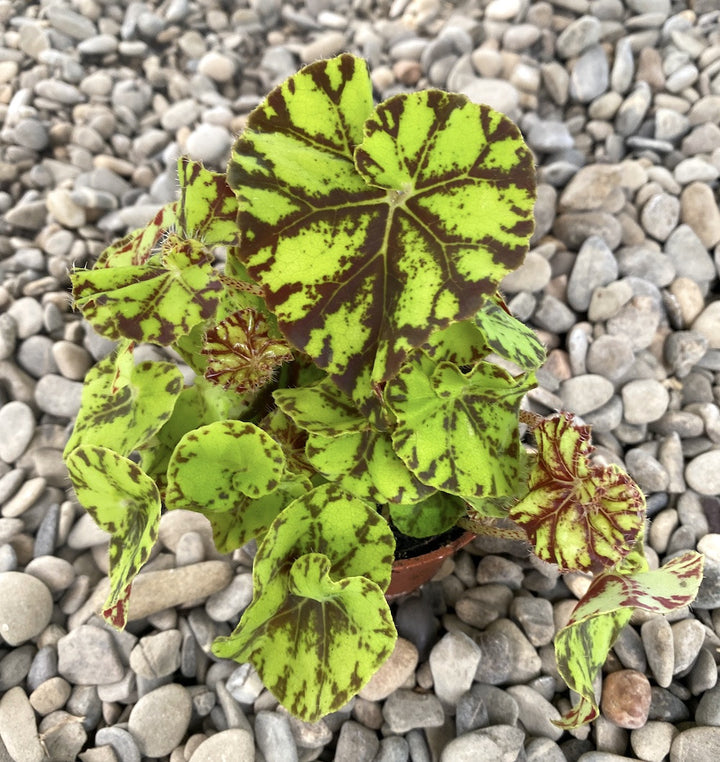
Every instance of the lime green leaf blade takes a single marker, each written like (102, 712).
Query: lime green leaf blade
(508, 337)
(207, 210)
(377, 252)
(319, 625)
(581, 516)
(156, 302)
(242, 352)
(456, 432)
(138, 247)
(124, 403)
(246, 518)
(321, 408)
(460, 343)
(198, 405)
(217, 465)
(582, 646)
(124, 501)
(430, 517)
(366, 465)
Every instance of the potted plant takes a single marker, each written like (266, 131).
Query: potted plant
(357, 379)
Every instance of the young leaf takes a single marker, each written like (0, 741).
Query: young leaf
(582, 646)
(138, 247)
(381, 239)
(156, 302)
(124, 501)
(292, 440)
(319, 625)
(214, 465)
(508, 337)
(580, 516)
(242, 352)
(456, 432)
(366, 465)
(430, 517)
(124, 403)
(321, 409)
(198, 405)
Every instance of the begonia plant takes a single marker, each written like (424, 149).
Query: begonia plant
(345, 372)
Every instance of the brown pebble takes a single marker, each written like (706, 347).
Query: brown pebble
(626, 698)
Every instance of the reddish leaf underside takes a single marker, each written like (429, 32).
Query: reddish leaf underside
(581, 516)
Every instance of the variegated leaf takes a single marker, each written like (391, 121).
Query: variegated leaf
(124, 501)
(319, 625)
(381, 238)
(578, 515)
(124, 403)
(457, 432)
(582, 646)
(430, 517)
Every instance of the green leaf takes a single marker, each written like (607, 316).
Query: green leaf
(370, 230)
(124, 403)
(197, 405)
(137, 247)
(243, 352)
(207, 210)
(321, 408)
(366, 465)
(227, 466)
(292, 440)
(456, 432)
(578, 515)
(246, 518)
(430, 517)
(460, 343)
(582, 646)
(156, 302)
(319, 625)
(508, 337)
(124, 501)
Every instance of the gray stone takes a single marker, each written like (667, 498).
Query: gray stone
(404, 710)
(702, 473)
(689, 255)
(652, 741)
(157, 655)
(355, 744)
(658, 641)
(58, 396)
(578, 36)
(232, 600)
(25, 607)
(683, 350)
(660, 215)
(644, 400)
(28, 316)
(638, 320)
(585, 393)
(453, 662)
(244, 684)
(610, 356)
(535, 616)
(393, 749)
(500, 742)
(574, 228)
(536, 712)
(533, 275)
(633, 109)
(507, 655)
(688, 638)
(590, 75)
(18, 729)
(470, 714)
(160, 719)
(17, 421)
(594, 266)
(696, 743)
(647, 471)
(553, 315)
(209, 143)
(274, 737)
(623, 66)
(15, 666)
(122, 743)
(643, 262)
(88, 655)
(235, 743)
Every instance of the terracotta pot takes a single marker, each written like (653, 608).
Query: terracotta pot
(409, 573)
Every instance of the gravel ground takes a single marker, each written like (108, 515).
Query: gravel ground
(620, 102)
